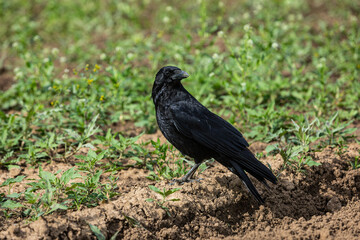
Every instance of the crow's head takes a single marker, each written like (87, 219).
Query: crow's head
(168, 76)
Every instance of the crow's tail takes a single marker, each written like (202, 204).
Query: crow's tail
(250, 164)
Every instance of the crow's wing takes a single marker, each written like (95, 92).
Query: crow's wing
(196, 122)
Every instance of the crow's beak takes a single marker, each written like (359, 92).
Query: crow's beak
(184, 74)
(180, 75)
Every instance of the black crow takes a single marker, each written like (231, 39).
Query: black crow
(201, 134)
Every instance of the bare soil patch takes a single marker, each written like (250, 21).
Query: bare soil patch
(6, 79)
(323, 203)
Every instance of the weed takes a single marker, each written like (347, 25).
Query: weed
(99, 235)
(164, 166)
(293, 157)
(356, 163)
(336, 131)
(8, 161)
(11, 181)
(164, 195)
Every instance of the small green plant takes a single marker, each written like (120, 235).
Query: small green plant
(80, 140)
(53, 192)
(132, 221)
(356, 163)
(11, 181)
(99, 235)
(342, 148)
(8, 203)
(53, 188)
(304, 134)
(91, 190)
(90, 161)
(49, 145)
(33, 155)
(164, 195)
(293, 157)
(121, 147)
(8, 160)
(164, 165)
(336, 131)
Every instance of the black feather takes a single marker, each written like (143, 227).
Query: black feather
(201, 134)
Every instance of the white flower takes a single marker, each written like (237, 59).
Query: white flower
(36, 38)
(102, 56)
(166, 19)
(275, 45)
(18, 73)
(220, 34)
(55, 51)
(246, 15)
(27, 55)
(169, 8)
(177, 56)
(291, 17)
(215, 56)
(130, 56)
(231, 20)
(62, 59)
(284, 27)
(15, 45)
(46, 60)
(247, 27)
(353, 18)
(249, 43)
(258, 8)
(321, 63)
(66, 70)
(211, 74)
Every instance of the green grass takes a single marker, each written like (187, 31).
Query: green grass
(285, 72)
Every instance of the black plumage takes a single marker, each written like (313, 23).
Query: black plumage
(201, 134)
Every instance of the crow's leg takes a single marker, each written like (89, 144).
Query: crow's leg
(189, 175)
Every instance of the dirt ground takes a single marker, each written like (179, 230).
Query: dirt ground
(324, 203)
(6, 79)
